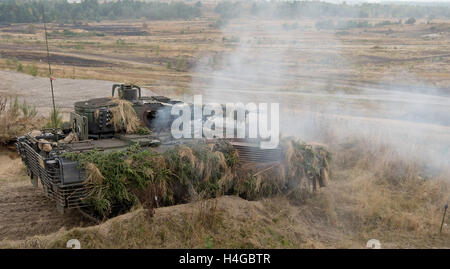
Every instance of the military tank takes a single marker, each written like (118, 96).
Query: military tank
(91, 127)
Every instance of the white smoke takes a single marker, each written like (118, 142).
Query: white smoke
(319, 87)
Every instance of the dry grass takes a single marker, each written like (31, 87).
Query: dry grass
(124, 116)
(93, 174)
(224, 222)
(347, 59)
(16, 119)
(380, 194)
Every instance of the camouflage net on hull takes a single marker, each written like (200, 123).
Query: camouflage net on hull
(123, 116)
(121, 180)
(303, 168)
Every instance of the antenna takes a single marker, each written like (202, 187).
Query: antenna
(49, 67)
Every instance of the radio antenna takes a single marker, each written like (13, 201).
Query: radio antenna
(49, 67)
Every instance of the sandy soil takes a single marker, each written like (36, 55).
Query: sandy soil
(24, 210)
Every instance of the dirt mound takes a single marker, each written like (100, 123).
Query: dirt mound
(228, 221)
(326, 220)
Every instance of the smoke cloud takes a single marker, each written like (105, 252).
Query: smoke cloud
(322, 89)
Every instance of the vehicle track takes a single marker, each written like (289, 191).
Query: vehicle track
(25, 211)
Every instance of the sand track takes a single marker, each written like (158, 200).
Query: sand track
(24, 210)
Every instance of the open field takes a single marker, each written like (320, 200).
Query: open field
(368, 69)
(378, 96)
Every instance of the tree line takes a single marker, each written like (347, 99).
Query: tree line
(61, 11)
(309, 9)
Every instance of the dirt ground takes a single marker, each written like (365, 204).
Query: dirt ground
(24, 210)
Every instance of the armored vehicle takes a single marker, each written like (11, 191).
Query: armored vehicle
(92, 127)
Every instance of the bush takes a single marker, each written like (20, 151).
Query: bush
(181, 64)
(293, 26)
(14, 108)
(55, 120)
(220, 23)
(32, 70)
(19, 68)
(343, 25)
(383, 23)
(30, 29)
(16, 119)
(28, 111)
(410, 21)
(120, 42)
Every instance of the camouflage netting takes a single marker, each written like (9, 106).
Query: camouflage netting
(123, 116)
(185, 173)
(303, 168)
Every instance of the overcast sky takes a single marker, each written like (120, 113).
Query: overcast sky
(390, 1)
(400, 1)
(361, 1)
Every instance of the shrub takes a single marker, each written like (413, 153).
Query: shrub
(55, 120)
(383, 23)
(32, 69)
(181, 64)
(16, 119)
(14, 108)
(220, 23)
(28, 111)
(30, 29)
(410, 21)
(353, 24)
(120, 42)
(19, 68)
